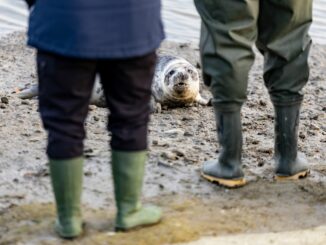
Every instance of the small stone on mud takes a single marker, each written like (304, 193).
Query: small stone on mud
(187, 119)
(42, 172)
(34, 140)
(174, 133)
(270, 117)
(302, 135)
(88, 173)
(311, 133)
(178, 123)
(164, 164)
(314, 117)
(314, 127)
(252, 141)
(188, 134)
(160, 143)
(184, 45)
(169, 155)
(262, 103)
(323, 128)
(25, 102)
(3, 106)
(190, 160)
(195, 109)
(255, 142)
(90, 153)
(179, 153)
(265, 150)
(5, 100)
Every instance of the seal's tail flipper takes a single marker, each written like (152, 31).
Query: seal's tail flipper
(29, 93)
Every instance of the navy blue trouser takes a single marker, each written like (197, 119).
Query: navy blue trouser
(65, 86)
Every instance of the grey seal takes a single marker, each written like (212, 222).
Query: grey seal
(175, 84)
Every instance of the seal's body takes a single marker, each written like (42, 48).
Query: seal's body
(176, 83)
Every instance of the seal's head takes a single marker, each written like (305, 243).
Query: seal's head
(182, 81)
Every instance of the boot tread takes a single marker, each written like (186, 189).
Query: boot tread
(296, 176)
(230, 183)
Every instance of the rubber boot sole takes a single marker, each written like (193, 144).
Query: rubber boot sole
(297, 176)
(138, 227)
(71, 236)
(229, 183)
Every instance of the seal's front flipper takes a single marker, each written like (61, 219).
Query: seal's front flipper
(200, 100)
(29, 93)
(155, 106)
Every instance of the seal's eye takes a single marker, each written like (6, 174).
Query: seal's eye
(190, 71)
(171, 72)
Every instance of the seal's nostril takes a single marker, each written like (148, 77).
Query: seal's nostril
(182, 76)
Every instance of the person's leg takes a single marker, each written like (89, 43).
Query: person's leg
(284, 41)
(228, 32)
(65, 87)
(127, 87)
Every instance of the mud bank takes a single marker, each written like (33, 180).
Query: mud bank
(180, 139)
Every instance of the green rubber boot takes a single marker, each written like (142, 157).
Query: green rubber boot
(128, 173)
(66, 176)
(226, 170)
(289, 165)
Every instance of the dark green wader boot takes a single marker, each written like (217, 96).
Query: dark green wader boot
(66, 176)
(289, 166)
(128, 173)
(280, 30)
(226, 170)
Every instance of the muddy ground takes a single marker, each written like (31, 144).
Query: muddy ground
(180, 139)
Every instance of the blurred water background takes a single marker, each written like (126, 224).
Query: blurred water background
(181, 20)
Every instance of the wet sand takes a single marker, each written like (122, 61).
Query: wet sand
(180, 139)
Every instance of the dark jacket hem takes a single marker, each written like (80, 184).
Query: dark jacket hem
(107, 54)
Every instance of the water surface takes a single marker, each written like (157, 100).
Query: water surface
(181, 20)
